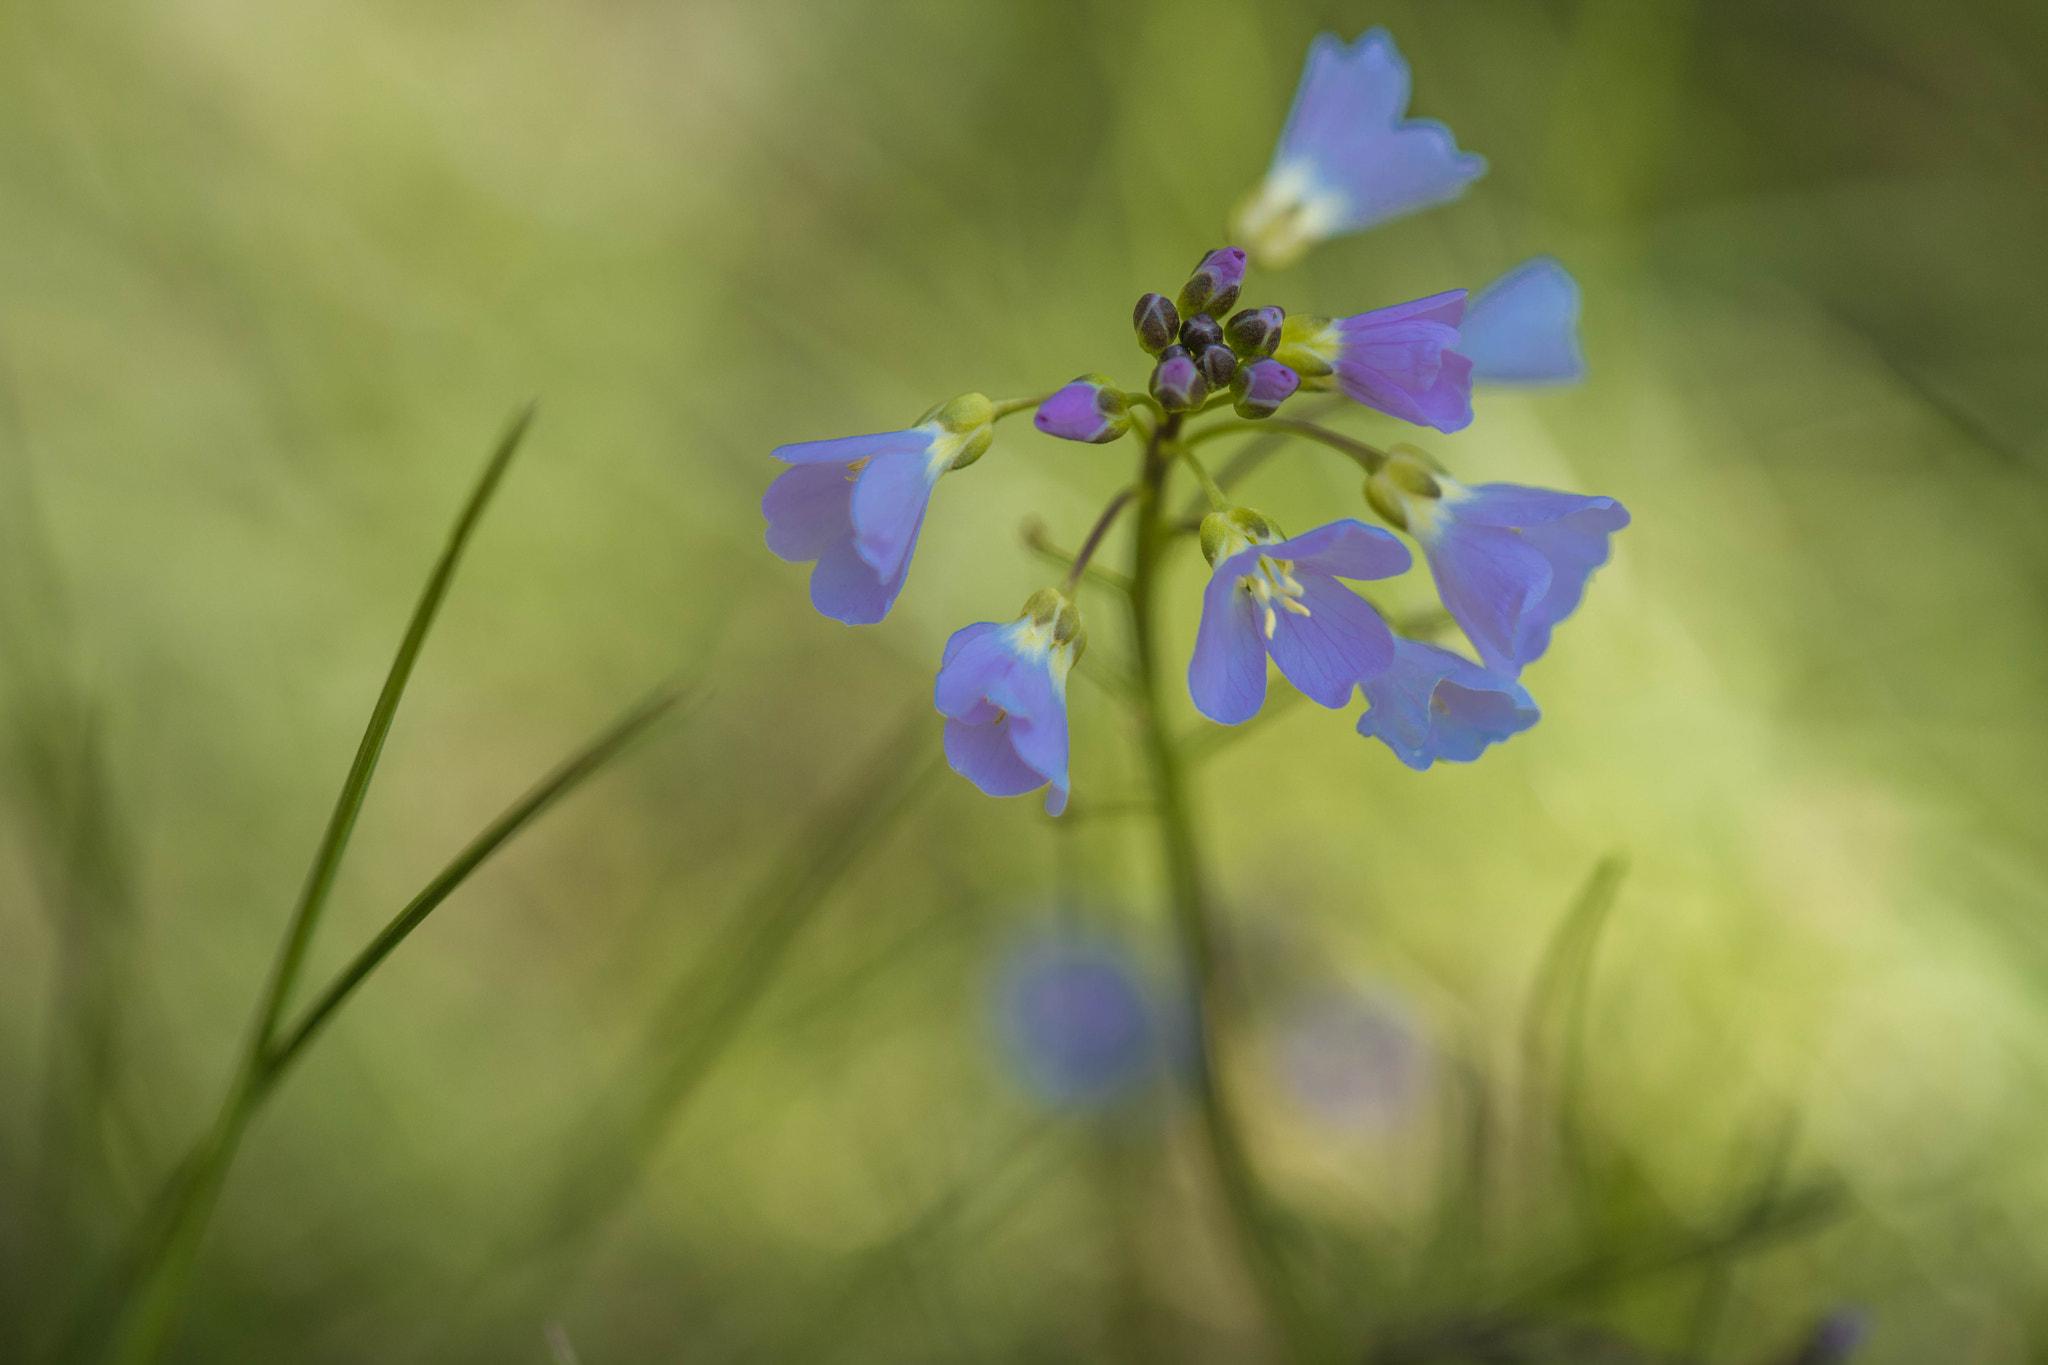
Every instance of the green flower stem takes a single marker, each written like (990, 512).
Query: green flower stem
(1094, 541)
(1217, 501)
(1005, 406)
(1369, 457)
(1192, 914)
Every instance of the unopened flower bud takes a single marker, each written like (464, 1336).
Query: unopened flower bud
(1212, 289)
(1089, 409)
(1401, 483)
(1200, 332)
(1254, 332)
(1176, 381)
(1261, 387)
(1218, 364)
(1226, 532)
(1156, 322)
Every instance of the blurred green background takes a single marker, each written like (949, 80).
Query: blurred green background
(272, 276)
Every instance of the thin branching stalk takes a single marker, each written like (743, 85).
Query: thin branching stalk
(1193, 918)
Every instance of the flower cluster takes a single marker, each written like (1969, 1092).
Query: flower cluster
(1509, 562)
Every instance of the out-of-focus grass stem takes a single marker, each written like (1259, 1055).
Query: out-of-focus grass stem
(1192, 916)
(550, 789)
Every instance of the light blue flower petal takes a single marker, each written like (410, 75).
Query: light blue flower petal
(1489, 579)
(1227, 675)
(969, 668)
(1041, 742)
(1524, 327)
(1399, 360)
(1341, 641)
(846, 587)
(1347, 132)
(1575, 545)
(1346, 549)
(1490, 533)
(847, 449)
(984, 755)
(808, 508)
(889, 500)
(1433, 705)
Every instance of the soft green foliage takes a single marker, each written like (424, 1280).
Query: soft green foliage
(700, 1069)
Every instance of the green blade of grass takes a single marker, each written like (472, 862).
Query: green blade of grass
(572, 773)
(159, 1267)
(349, 804)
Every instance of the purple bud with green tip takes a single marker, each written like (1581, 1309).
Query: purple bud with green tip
(1261, 387)
(1089, 409)
(1176, 381)
(1213, 287)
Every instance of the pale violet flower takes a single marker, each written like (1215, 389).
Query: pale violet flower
(1434, 706)
(1524, 327)
(856, 504)
(1349, 158)
(1003, 691)
(1510, 562)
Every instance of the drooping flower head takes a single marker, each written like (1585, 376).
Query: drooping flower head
(1076, 1021)
(1398, 360)
(1510, 562)
(1269, 595)
(1090, 409)
(1003, 691)
(857, 503)
(1433, 705)
(1524, 327)
(1348, 158)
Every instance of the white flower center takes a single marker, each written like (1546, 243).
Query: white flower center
(1273, 585)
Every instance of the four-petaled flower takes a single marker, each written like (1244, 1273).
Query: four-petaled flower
(1524, 327)
(1510, 562)
(1348, 158)
(1269, 595)
(1399, 360)
(1003, 691)
(1432, 705)
(856, 504)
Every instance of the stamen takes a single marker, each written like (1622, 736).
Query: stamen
(853, 470)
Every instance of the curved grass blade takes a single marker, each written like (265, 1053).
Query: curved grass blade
(161, 1264)
(572, 773)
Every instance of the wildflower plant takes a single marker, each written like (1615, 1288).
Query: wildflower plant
(1510, 562)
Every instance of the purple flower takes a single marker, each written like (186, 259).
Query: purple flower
(1524, 327)
(1510, 562)
(1003, 691)
(1261, 387)
(1398, 360)
(1089, 409)
(1076, 1021)
(1432, 705)
(1348, 159)
(1281, 597)
(856, 504)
